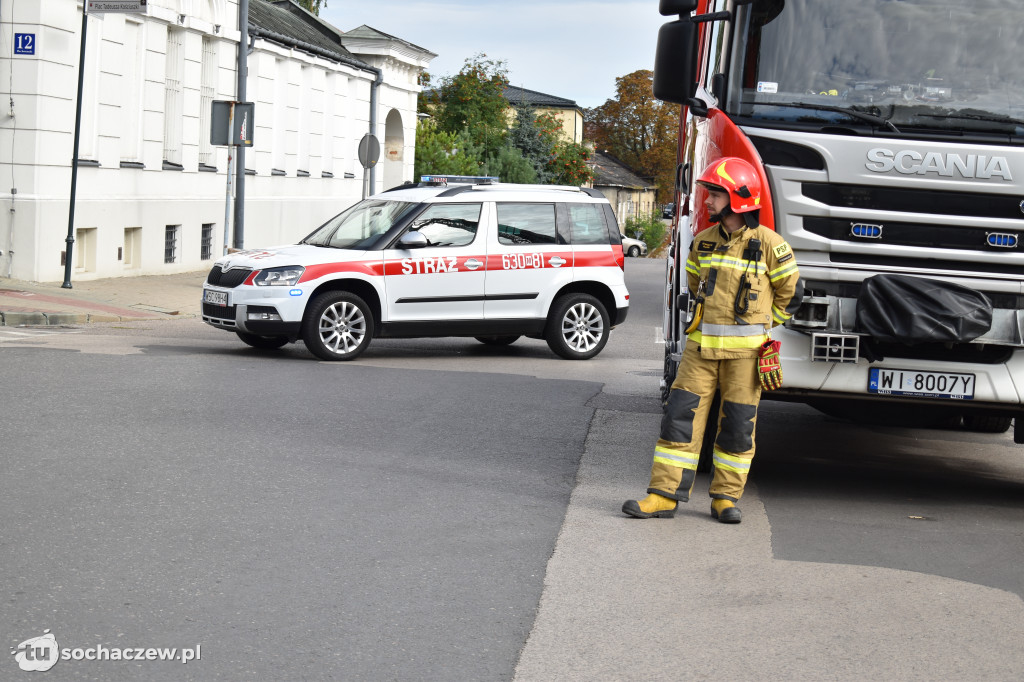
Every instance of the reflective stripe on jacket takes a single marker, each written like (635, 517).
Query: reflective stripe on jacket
(721, 262)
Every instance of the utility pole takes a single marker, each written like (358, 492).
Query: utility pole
(70, 239)
(243, 74)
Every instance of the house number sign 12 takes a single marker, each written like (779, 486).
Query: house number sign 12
(24, 43)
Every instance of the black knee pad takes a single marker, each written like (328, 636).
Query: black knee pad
(737, 429)
(677, 424)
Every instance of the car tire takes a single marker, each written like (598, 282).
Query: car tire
(497, 340)
(337, 326)
(634, 252)
(257, 341)
(577, 327)
(983, 423)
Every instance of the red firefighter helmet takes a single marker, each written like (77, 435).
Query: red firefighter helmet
(739, 179)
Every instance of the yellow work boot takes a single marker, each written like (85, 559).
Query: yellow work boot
(652, 506)
(726, 511)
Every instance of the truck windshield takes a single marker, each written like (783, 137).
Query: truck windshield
(359, 226)
(921, 65)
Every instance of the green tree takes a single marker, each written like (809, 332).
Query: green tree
(567, 160)
(442, 153)
(568, 165)
(474, 100)
(535, 143)
(510, 165)
(312, 5)
(638, 129)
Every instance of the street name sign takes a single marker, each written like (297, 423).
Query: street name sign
(128, 6)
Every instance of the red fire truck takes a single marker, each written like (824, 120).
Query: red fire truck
(889, 138)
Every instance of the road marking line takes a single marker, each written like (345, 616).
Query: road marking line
(11, 335)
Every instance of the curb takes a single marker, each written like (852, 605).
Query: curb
(58, 319)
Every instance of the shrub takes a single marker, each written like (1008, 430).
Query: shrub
(649, 228)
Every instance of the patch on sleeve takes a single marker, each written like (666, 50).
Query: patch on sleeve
(706, 246)
(785, 258)
(781, 250)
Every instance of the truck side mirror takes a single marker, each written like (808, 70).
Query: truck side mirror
(669, 7)
(675, 62)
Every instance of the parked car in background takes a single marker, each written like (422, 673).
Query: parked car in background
(668, 211)
(634, 248)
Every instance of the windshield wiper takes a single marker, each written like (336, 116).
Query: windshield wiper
(862, 115)
(990, 118)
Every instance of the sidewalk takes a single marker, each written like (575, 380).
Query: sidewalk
(153, 297)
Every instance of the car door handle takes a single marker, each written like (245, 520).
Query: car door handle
(557, 261)
(473, 264)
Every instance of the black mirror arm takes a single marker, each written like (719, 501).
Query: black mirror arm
(698, 107)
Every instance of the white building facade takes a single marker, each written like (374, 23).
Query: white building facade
(151, 189)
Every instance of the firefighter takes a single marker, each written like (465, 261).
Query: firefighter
(744, 279)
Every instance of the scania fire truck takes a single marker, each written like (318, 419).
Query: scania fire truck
(889, 140)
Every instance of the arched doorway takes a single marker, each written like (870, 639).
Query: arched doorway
(393, 154)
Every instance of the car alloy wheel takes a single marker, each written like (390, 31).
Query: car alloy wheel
(338, 326)
(578, 327)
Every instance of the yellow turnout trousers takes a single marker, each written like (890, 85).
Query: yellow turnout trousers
(682, 427)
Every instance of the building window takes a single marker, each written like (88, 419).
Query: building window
(207, 90)
(133, 55)
(279, 144)
(206, 242)
(305, 115)
(132, 246)
(85, 245)
(173, 96)
(171, 243)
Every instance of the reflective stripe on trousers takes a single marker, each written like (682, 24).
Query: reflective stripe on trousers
(682, 432)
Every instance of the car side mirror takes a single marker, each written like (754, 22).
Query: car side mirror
(412, 240)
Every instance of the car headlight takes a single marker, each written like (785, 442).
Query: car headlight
(288, 276)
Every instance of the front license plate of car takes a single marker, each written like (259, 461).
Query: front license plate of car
(949, 385)
(215, 297)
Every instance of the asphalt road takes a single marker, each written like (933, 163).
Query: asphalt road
(443, 510)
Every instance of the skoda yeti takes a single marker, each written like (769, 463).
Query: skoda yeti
(478, 259)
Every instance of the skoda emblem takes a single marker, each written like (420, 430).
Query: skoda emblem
(1022, 205)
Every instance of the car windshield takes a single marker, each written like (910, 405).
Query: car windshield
(922, 65)
(359, 226)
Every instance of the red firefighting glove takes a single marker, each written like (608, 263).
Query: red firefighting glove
(769, 367)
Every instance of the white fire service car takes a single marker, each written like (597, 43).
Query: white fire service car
(444, 258)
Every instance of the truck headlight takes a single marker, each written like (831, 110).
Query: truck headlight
(288, 276)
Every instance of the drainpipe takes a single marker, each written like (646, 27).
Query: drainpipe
(341, 59)
(373, 124)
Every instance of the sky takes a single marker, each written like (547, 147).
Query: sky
(567, 48)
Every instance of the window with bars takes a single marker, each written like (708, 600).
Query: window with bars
(207, 92)
(206, 242)
(171, 243)
(173, 96)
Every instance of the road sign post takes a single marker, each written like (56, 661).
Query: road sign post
(369, 154)
(231, 125)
